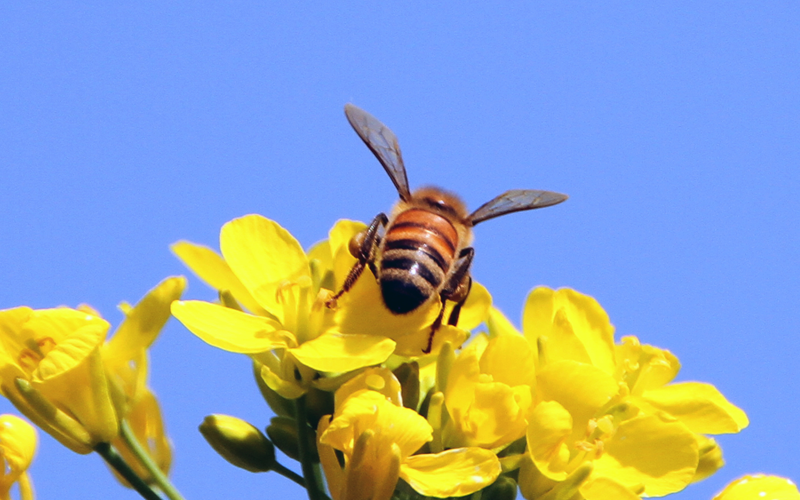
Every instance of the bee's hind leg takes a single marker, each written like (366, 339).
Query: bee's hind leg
(457, 290)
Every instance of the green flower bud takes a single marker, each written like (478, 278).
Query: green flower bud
(408, 376)
(283, 432)
(239, 442)
(504, 488)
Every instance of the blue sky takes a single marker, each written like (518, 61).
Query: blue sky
(673, 126)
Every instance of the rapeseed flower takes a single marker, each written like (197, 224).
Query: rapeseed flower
(273, 307)
(378, 439)
(51, 368)
(611, 406)
(18, 443)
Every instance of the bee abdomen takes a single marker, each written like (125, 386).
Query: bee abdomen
(417, 253)
(406, 281)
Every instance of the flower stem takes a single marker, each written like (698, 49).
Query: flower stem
(289, 474)
(310, 473)
(113, 459)
(159, 478)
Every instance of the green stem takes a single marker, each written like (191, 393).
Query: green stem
(113, 459)
(159, 478)
(289, 474)
(310, 472)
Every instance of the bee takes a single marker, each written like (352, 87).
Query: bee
(422, 248)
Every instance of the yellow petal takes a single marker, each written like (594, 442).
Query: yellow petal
(338, 352)
(606, 488)
(371, 410)
(287, 389)
(497, 414)
(509, 359)
(144, 322)
(18, 442)
(650, 450)
(60, 323)
(580, 388)
(550, 425)
(72, 351)
(210, 267)
(653, 367)
(451, 473)
(710, 458)
(381, 380)
(12, 322)
(698, 405)
(499, 324)
(229, 329)
(263, 255)
(758, 486)
(574, 326)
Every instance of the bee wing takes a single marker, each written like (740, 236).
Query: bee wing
(383, 144)
(515, 201)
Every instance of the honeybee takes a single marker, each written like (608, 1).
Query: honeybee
(422, 248)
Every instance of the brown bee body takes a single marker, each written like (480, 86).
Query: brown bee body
(419, 247)
(424, 250)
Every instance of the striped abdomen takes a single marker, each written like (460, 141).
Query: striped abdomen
(416, 255)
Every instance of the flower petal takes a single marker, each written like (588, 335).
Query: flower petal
(263, 255)
(229, 329)
(210, 267)
(606, 488)
(18, 441)
(574, 326)
(509, 359)
(451, 473)
(650, 450)
(698, 405)
(760, 486)
(381, 380)
(371, 410)
(338, 352)
(144, 322)
(549, 426)
(580, 388)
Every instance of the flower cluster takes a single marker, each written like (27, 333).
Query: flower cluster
(556, 410)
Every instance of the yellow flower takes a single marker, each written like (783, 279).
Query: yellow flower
(612, 406)
(759, 486)
(488, 393)
(378, 439)
(288, 329)
(52, 370)
(17, 447)
(125, 358)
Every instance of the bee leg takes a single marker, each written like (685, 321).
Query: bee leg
(456, 289)
(453, 319)
(362, 246)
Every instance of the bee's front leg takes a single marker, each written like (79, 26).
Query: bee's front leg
(363, 247)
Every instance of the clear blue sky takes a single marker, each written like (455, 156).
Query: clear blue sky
(673, 126)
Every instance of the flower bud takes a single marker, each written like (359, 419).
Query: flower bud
(504, 488)
(283, 432)
(239, 443)
(408, 376)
